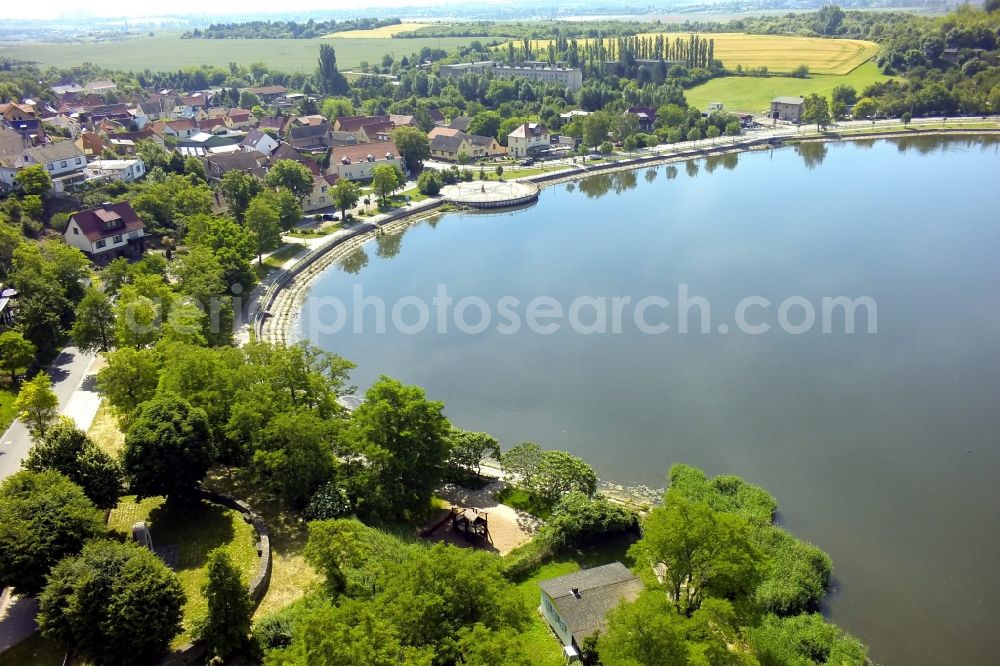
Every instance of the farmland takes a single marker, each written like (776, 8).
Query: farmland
(779, 53)
(167, 51)
(385, 32)
(753, 94)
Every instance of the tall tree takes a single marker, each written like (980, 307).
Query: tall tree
(114, 603)
(817, 110)
(291, 175)
(43, 518)
(94, 327)
(704, 551)
(168, 449)
(239, 189)
(68, 450)
(469, 448)
(37, 405)
(413, 146)
(128, 380)
(404, 436)
(386, 179)
(345, 195)
(34, 180)
(227, 625)
(16, 353)
(647, 632)
(331, 81)
(263, 221)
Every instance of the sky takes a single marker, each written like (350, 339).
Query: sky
(102, 8)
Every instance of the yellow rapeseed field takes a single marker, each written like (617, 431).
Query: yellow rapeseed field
(780, 53)
(385, 32)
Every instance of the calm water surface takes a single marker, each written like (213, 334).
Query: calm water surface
(883, 449)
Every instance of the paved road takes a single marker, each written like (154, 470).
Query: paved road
(68, 372)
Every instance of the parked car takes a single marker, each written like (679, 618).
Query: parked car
(527, 162)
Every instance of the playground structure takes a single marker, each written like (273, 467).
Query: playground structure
(472, 523)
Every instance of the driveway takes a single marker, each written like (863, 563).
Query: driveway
(78, 399)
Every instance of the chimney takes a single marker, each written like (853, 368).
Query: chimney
(576, 592)
(106, 205)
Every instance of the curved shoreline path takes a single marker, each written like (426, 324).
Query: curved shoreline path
(271, 311)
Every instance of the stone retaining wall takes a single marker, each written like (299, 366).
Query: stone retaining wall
(194, 652)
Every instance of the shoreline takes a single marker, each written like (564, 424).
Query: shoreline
(277, 311)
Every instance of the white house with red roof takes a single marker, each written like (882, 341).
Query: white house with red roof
(108, 231)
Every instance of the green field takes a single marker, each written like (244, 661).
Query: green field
(754, 94)
(167, 51)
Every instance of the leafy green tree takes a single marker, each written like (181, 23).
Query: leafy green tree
(816, 110)
(803, 640)
(231, 243)
(195, 167)
(521, 462)
(345, 195)
(168, 449)
(94, 327)
(705, 552)
(386, 179)
(866, 107)
(263, 221)
(413, 146)
(331, 81)
(238, 189)
(16, 353)
(34, 180)
(694, 134)
(32, 206)
(557, 474)
(648, 632)
(199, 273)
(128, 380)
(292, 176)
(227, 625)
(37, 405)
(469, 448)
(578, 520)
(485, 123)
(906, 117)
(67, 449)
(114, 603)
(429, 182)
(335, 107)
(404, 437)
(43, 518)
(296, 456)
(152, 154)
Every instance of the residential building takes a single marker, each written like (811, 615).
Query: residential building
(646, 117)
(527, 138)
(365, 128)
(218, 165)
(66, 89)
(268, 93)
(320, 197)
(575, 605)
(277, 123)
(398, 120)
(310, 137)
(357, 162)
(460, 123)
(102, 87)
(16, 111)
(91, 143)
(240, 119)
(108, 231)
(180, 129)
(124, 171)
(59, 159)
(788, 108)
(453, 146)
(209, 141)
(569, 77)
(262, 142)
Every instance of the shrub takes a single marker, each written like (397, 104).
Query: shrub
(579, 520)
(800, 72)
(59, 222)
(330, 501)
(429, 182)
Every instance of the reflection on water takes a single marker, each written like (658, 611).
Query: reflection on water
(650, 175)
(388, 245)
(881, 449)
(812, 152)
(355, 261)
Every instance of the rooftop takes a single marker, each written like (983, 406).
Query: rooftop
(584, 598)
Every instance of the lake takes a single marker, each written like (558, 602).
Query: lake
(882, 447)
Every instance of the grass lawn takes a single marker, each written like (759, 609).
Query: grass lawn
(105, 432)
(7, 412)
(33, 651)
(538, 641)
(754, 94)
(277, 259)
(779, 53)
(195, 532)
(166, 51)
(291, 575)
(324, 230)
